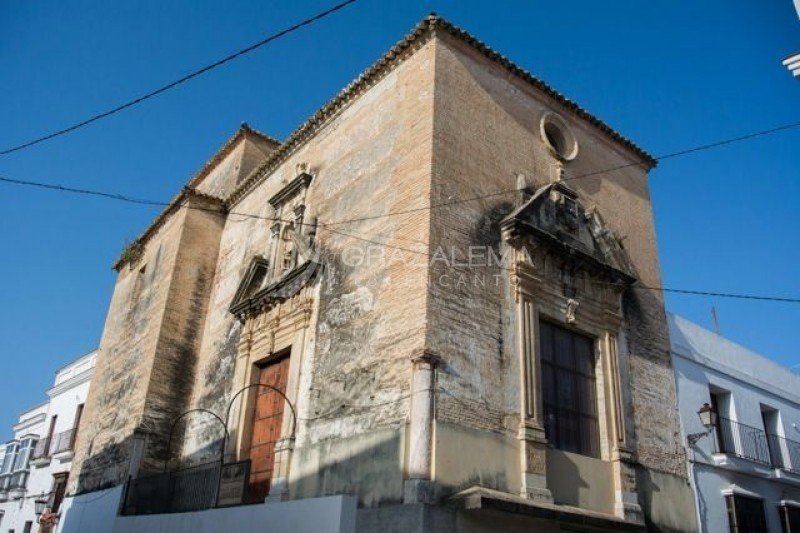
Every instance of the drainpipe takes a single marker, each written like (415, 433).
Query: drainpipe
(418, 488)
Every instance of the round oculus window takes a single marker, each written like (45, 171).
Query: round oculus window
(558, 137)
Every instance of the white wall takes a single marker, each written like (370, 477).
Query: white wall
(93, 512)
(18, 511)
(701, 360)
(333, 514)
(70, 388)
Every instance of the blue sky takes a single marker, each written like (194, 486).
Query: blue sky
(669, 75)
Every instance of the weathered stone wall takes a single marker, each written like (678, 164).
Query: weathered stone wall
(148, 349)
(371, 158)
(445, 124)
(118, 392)
(172, 374)
(486, 132)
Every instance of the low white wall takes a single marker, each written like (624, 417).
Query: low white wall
(333, 514)
(93, 512)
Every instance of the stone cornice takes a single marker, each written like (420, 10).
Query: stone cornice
(279, 290)
(399, 52)
(72, 382)
(29, 422)
(300, 182)
(186, 194)
(243, 132)
(77, 360)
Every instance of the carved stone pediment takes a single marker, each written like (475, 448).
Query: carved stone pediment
(553, 218)
(298, 184)
(256, 293)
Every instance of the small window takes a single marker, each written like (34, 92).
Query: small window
(9, 457)
(558, 136)
(790, 518)
(569, 390)
(745, 514)
(24, 454)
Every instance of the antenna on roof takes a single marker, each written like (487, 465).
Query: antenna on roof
(715, 319)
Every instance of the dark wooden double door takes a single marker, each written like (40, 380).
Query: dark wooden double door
(266, 426)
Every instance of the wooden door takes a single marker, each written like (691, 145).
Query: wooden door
(267, 421)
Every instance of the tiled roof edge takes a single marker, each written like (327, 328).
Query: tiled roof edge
(397, 53)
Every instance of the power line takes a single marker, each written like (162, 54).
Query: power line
(691, 150)
(378, 243)
(88, 192)
(181, 80)
(634, 286)
(686, 151)
(695, 149)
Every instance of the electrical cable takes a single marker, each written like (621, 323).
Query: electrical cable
(180, 81)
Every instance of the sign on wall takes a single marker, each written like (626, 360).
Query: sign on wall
(233, 483)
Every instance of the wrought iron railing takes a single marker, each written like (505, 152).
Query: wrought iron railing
(42, 449)
(189, 489)
(64, 441)
(785, 453)
(741, 440)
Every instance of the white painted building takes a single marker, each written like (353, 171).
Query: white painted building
(745, 469)
(36, 463)
(792, 61)
(16, 507)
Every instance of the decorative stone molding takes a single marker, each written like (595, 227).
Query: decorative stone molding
(566, 260)
(298, 184)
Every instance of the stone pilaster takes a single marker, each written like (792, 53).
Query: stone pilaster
(418, 487)
(531, 432)
(623, 461)
(279, 488)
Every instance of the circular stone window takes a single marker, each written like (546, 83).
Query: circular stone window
(558, 137)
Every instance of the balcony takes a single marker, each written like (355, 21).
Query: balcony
(41, 454)
(17, 483)
(743, 441)
(763, 453)
(63, 445)
(785, 453)
(5, 480)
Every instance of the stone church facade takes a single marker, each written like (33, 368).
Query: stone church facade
(439, 291)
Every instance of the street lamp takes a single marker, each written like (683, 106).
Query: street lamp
(708, 417)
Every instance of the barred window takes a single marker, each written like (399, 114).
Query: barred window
(746, 515)
(569, 390)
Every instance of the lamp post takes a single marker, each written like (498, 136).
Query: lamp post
(708, 417)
